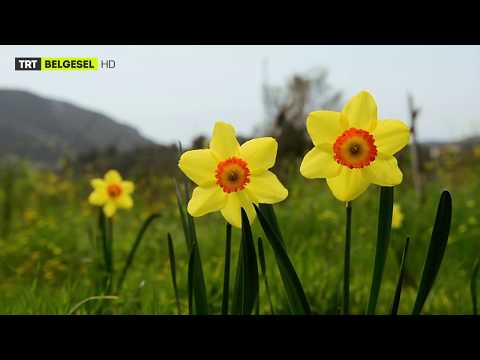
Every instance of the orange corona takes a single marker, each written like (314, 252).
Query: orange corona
(355, 148)
(114, 190)
(232, 174)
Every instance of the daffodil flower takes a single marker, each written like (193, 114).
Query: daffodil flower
(354, 149)
(112, 193)
(231, 177)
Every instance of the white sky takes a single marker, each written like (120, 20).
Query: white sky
(173, 93)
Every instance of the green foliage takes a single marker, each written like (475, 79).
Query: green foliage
(436, 250)
(50, 262)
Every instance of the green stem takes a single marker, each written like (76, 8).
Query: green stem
(346, 263)
(226, 273)
(111, 269)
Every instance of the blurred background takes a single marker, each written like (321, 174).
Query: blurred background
(59, 129)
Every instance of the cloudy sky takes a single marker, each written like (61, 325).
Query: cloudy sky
(173, 93)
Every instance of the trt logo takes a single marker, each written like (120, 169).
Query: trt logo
(107, 64)
(28, 64)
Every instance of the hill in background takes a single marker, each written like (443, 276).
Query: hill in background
(45, 131)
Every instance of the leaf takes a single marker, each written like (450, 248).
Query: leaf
(383, 238)
(267, 210)
(245, 294)
(199, 288)
(263, 266)
(436, 250)
(134, 248)
(198, 303)
(398, 289)
(296, 296)
(473, 285)
(171, 256)
(191, 265)
(183, 217)
(226, 272)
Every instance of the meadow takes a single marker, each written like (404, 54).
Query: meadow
(50, 259)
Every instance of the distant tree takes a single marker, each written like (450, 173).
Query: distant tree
(286, 109)
(199, 142)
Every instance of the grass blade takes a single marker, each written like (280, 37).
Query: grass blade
(246, 287)
(296, 296)
(92, 298)
(385, 213)
(191, 265)
(226, 272)
(473, 285)
(436, 250)
(134, 248)
(199, 288)
(263, 266)
(398, 289)
(171, 257)
(183, 216)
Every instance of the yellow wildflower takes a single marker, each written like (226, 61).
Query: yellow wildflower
(476, 151)
(112, 193)
(397, 216)
(353, 148)
(230, 176)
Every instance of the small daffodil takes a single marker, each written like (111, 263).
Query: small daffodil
(112, 193)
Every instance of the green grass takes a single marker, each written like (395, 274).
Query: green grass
(49, 259)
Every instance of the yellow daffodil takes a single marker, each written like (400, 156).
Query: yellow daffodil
(397, 216)
(112, 193)
(230, 176)
(476, 151)
(353, 148)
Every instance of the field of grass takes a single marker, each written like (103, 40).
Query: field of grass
(49, 259)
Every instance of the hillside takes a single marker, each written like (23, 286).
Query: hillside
(44, 130)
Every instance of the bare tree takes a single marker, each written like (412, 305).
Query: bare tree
(286, 108)
(414, 152)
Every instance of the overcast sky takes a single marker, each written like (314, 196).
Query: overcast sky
(173, 93)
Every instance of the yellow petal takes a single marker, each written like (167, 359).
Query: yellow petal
(319, 163)
(259, 154)
(232, 211)
(206, 200)
(361, 111)
(224, 144)
(124, 201)
(391, 136)
(112, 176)
(324, 127)
(199, 166)
(348, 185)
(266, 188)
(98, 183)
(98, 197)
(128, 187)
(384, 171)
(109, 209)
